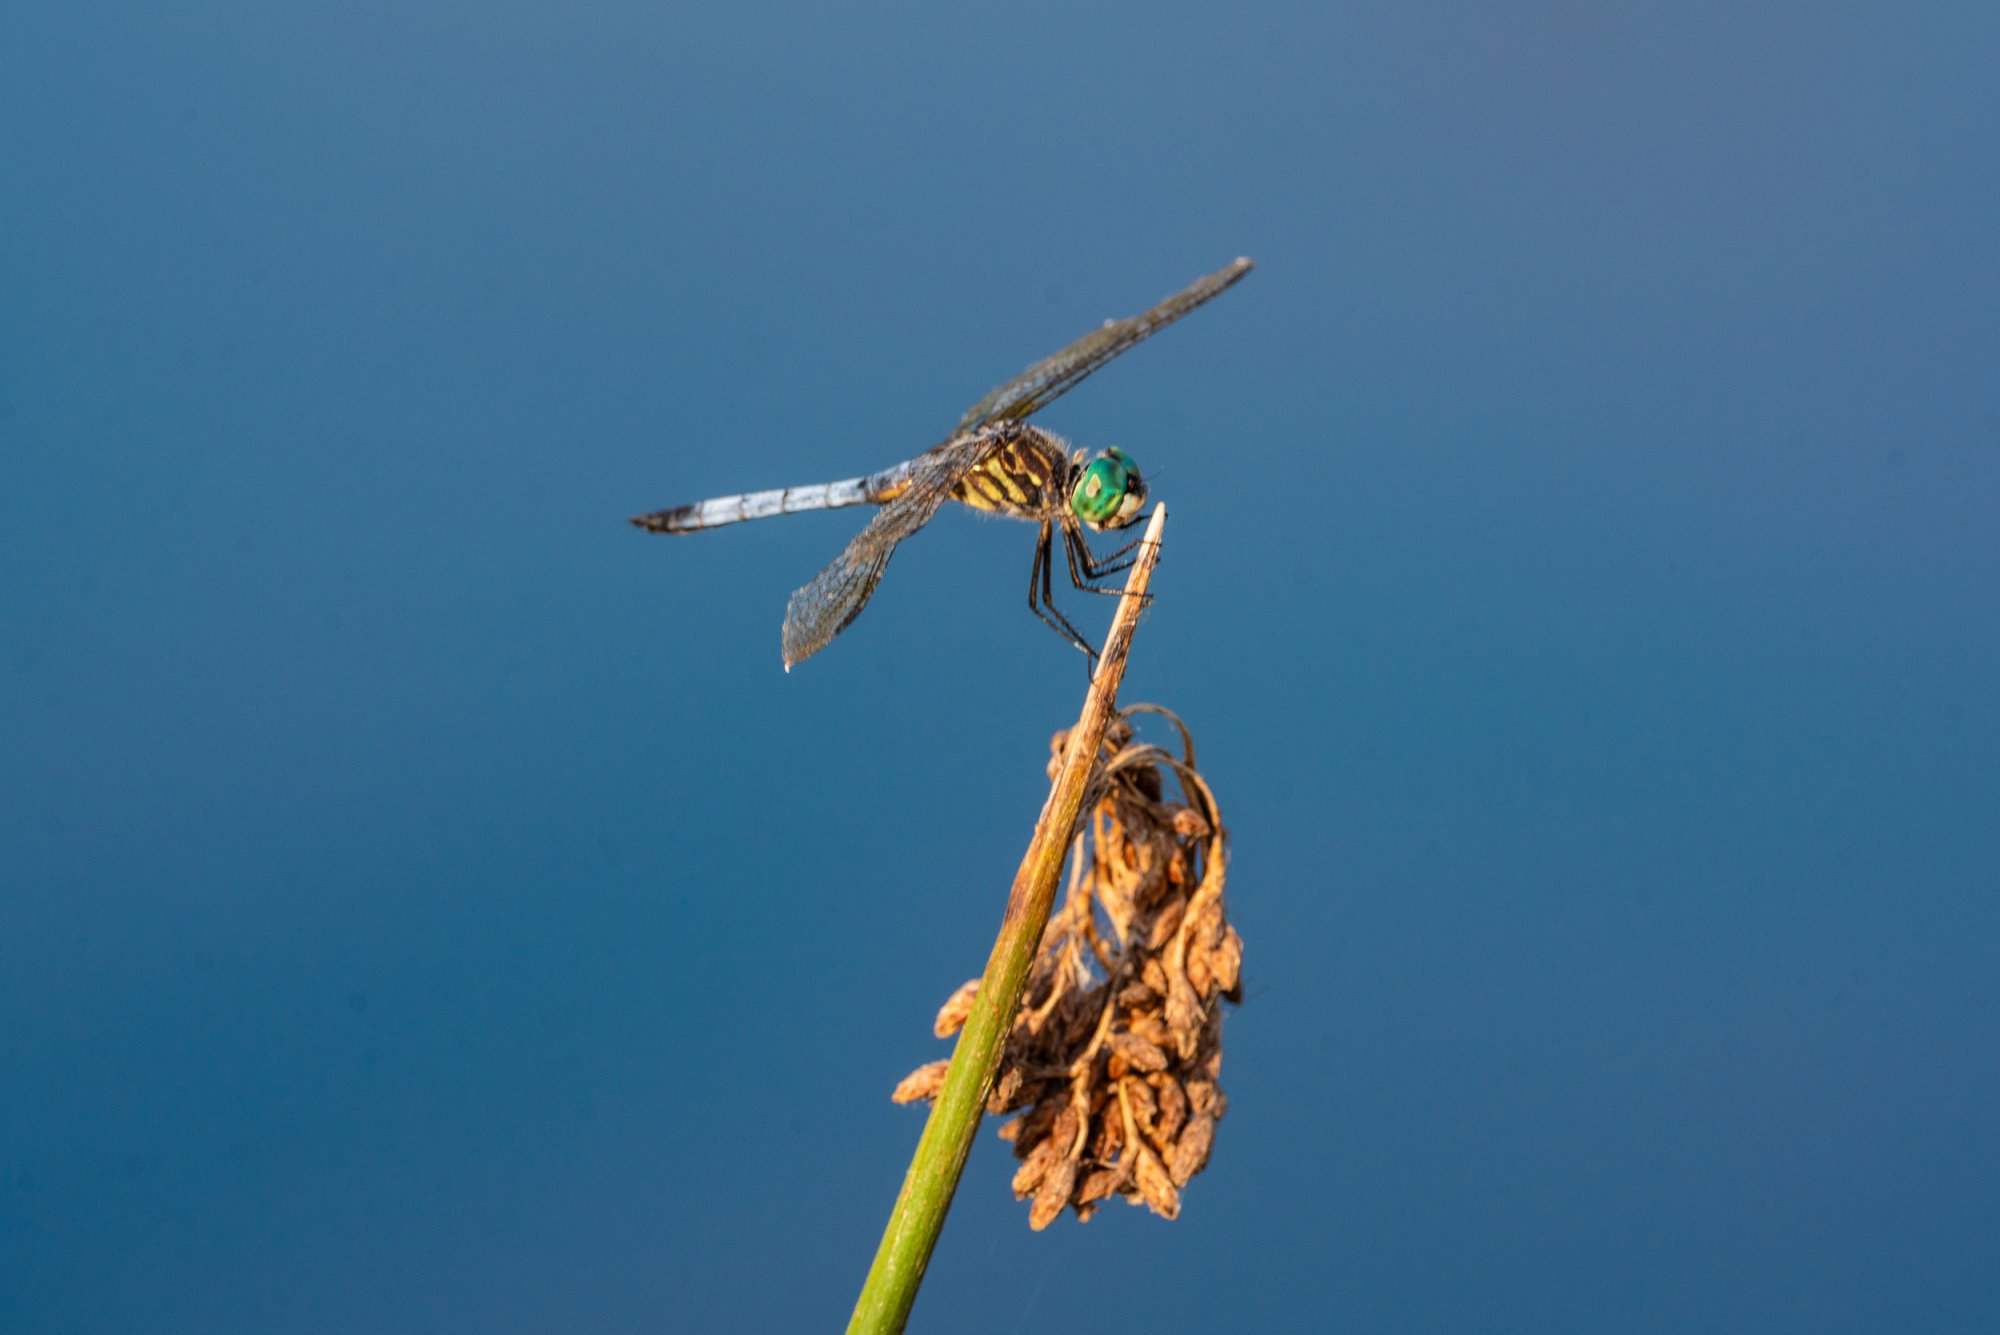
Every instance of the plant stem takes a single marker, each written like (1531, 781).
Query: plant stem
(914, 1224)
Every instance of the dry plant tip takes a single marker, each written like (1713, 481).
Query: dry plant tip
(1113, 1057)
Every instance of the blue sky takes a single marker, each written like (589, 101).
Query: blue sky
(426, 905)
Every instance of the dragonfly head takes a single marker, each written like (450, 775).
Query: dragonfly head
(1109, 493)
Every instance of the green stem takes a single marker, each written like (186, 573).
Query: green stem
(918, 1218)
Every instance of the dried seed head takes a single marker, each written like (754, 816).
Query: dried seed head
(1032, 1126)
(1173, 1109)
(1154, 1187)
(952, 1015)
(1101, 1183)
(1052, 1195)
(922, 1083)
(1114, 1054)
(1140, 1101)
(1190, 1153)
(1035, 1168)
(1006, 1095)
(1136, 1054)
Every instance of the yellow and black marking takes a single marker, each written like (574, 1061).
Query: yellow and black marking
(1022, 478)
(1023, 475)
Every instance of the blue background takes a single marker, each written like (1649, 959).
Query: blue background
(428, 906)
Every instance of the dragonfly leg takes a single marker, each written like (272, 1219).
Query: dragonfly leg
(1097, 566)
(1041, 599)
(1085, 566)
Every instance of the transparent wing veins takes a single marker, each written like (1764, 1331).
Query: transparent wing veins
(1048, 379)
(833, 598)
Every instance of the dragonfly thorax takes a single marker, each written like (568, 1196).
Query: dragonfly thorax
(1108, 491)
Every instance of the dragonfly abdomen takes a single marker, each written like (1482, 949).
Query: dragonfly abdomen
(757, 505)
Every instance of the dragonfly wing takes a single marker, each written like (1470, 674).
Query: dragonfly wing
(1039, 385)
(826, 606)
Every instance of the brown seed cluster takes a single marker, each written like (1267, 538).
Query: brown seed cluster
(1113, 1057)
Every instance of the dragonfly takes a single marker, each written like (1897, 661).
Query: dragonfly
(993, 461)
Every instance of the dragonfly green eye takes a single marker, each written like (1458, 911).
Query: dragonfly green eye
(1109, 492)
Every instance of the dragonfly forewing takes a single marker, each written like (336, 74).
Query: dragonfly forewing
(1051, 377)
